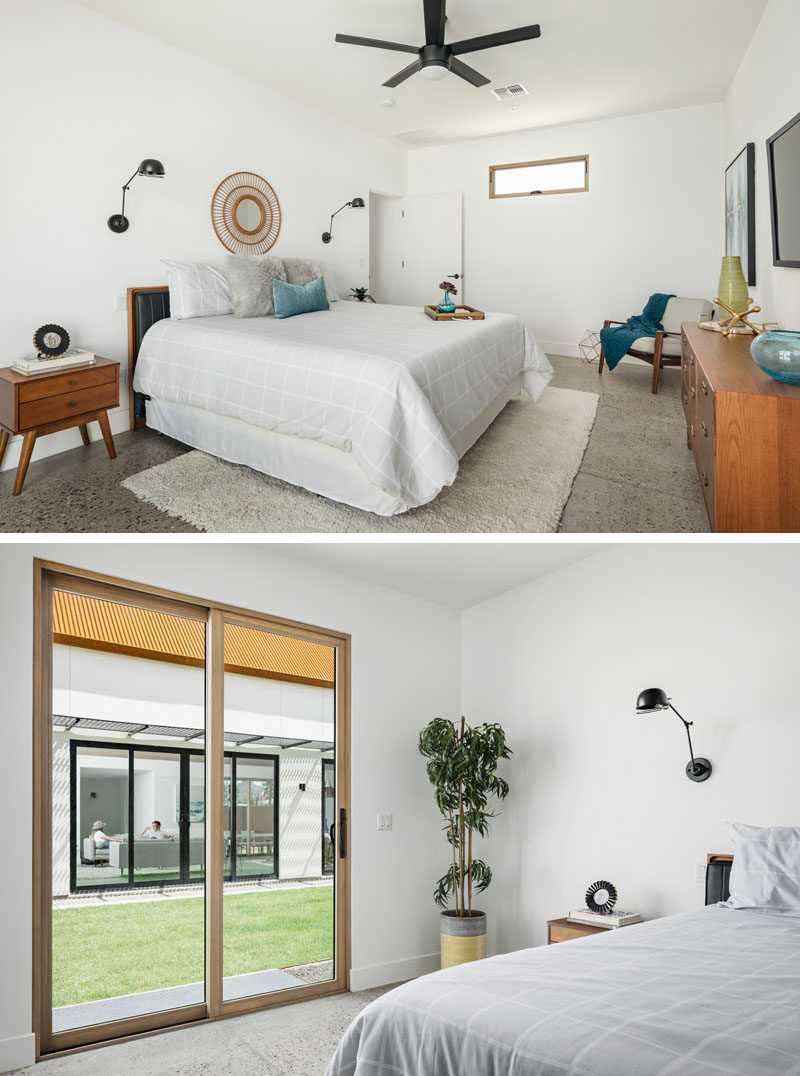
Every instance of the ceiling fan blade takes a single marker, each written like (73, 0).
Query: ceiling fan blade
(401, 76)
(490, 41)
(372, 43)
(468, 73)
(434, 22)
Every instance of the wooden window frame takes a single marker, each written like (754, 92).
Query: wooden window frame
(49, 576)
(533, 164)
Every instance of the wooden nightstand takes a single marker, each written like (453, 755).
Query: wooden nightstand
(561, 930)
(46, 403)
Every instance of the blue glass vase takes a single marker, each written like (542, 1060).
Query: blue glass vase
(447, 306)
(777, 353)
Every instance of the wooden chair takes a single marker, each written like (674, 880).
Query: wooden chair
(665, 348)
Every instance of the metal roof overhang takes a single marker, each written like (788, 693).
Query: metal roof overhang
(240, 739)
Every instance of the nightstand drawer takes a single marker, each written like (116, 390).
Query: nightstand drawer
(67, 405)
(69, 381)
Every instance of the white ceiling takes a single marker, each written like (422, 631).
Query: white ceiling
(455, 574)
(596, 58)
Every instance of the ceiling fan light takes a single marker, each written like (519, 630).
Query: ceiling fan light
(435, 72)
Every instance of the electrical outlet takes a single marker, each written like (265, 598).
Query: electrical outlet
(120, 301)
(384, 821)
(699, 870)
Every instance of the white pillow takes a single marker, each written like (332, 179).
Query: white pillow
(304, 270)
(197, 290)
(766, 868)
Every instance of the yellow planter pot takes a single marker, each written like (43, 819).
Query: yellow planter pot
(463, 939)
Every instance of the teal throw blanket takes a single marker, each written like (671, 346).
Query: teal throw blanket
(618, 340)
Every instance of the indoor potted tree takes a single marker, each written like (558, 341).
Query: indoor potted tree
(462, 767)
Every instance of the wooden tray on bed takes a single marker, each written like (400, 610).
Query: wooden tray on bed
(462, 313)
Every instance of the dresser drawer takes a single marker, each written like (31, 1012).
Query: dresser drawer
(69, 381)
(67, 405)
(704, 454)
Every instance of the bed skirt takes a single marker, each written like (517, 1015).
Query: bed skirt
(313, 465)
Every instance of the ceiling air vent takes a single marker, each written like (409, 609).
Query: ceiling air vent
(505, 93)
(420, 138)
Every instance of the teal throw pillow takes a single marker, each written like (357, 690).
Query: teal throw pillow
(291, 299)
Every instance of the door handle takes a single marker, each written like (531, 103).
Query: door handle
(453, 276)
(342, 833)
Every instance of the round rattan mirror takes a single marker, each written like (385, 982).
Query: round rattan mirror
(246, 213)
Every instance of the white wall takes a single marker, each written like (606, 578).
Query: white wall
(104, 97)
(651, 220)
(597, 792)
(764, 95)
(405, 669)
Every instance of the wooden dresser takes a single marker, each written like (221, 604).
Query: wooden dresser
(744, 430)
(58, 400)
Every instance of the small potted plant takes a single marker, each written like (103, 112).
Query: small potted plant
(361, 295)
(462, 767)
(447, 306)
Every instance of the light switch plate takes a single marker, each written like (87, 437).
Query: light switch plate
(384, 821)
(699, 870)
(361, 262)
(120, 301)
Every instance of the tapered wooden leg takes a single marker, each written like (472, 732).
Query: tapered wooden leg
(24, 460)
(105, 429)
(84, 433)
(602, 361)
(4, 435)
(657, 361)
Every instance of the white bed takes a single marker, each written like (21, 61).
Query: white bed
(712, 992)
(372, 405)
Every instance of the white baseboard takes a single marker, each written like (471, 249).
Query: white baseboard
(397, 971)
(53, 443)
(17, 1053)
(559, 347)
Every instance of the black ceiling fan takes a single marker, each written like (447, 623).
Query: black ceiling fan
(435, 60)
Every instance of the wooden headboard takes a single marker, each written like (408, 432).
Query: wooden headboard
(146, 306)
(718, 875)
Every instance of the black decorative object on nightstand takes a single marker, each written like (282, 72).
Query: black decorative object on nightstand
(601, 897)
(51, 340)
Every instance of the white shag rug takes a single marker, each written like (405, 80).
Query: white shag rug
(517, 478)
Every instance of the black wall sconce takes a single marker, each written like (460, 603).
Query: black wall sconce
(653, 699)
(356, 203)
(150, 167)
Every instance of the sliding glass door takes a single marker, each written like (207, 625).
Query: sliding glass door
(189, 761)
(127, 945)
(278, 919)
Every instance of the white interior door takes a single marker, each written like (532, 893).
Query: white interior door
(432, 246)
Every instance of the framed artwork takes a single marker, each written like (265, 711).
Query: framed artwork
(740, 210)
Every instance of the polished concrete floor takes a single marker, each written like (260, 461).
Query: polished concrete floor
(637, 474)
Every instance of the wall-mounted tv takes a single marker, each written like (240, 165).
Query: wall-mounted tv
(783, 156)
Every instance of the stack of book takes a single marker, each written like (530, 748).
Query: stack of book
(40, 364)
(613, 919)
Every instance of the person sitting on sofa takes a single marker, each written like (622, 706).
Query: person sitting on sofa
(154, 832)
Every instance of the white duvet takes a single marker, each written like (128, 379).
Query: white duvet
(383, 382)
(713, 992)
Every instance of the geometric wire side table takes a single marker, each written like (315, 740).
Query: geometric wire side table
(590, 346)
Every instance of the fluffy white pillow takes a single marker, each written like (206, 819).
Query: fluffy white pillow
(250, 281)
(197, 290)
(766, 868)
(304, 270)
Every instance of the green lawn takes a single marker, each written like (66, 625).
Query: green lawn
(127, 948)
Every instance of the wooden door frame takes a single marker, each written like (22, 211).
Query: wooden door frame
(49, 576)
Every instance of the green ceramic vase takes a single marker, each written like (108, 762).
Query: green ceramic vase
(732, 284)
